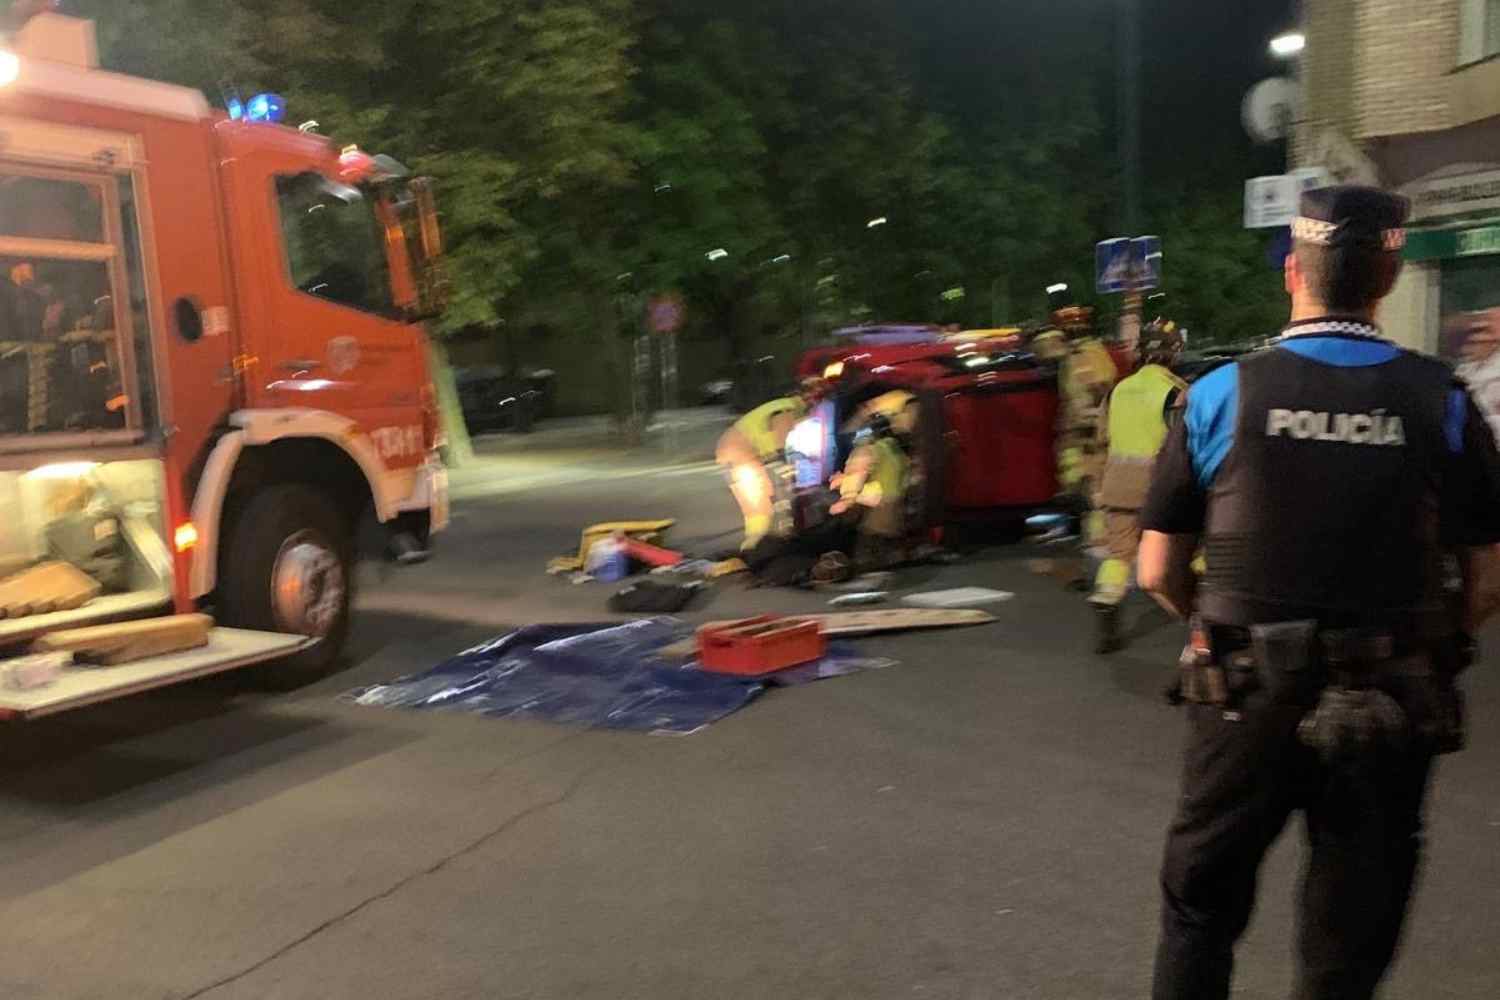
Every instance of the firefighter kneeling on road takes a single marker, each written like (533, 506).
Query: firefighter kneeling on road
(872, 490)
(754, 449)
(1133, 424)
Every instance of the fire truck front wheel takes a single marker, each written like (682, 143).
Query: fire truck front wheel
(289, 567)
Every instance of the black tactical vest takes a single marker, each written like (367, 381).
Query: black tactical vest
(1326, 506)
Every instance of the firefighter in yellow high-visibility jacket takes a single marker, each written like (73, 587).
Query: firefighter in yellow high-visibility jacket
(1133, 425)
(751, 449)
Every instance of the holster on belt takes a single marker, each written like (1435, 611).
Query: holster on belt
(1287, 659)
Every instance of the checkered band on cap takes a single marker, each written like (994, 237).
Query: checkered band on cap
(1320, 233)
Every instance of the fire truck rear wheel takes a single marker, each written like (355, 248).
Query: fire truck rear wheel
(289, 567)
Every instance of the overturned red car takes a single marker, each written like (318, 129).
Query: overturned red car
(984, 446)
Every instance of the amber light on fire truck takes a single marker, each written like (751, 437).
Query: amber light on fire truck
(185, 538)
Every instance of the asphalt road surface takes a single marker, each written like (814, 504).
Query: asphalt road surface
(982, 821)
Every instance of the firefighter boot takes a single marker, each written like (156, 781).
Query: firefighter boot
(1107, 637)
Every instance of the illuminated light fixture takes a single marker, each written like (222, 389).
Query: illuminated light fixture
(10, 68)
(976, 361)
(309, 126)
(62, 470)
(266, 108)
(185, 537)
(718, 254)
(806, 438)
(236, 109)
(834, 370)
(1058, 288)
(781, 258)
(877, 222)
(1288, 45)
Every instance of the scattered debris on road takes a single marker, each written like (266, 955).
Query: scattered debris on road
(958, 597)
(860, 599)
(605, 676)
(650, 532)
(760, 645)
(652, 596)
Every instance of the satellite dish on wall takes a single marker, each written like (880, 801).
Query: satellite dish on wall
(1271, 108)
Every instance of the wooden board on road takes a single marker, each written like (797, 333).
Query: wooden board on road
(853, 623)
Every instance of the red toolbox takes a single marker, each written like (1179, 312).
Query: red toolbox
(753, 646)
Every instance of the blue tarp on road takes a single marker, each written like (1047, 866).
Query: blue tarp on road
(606, 675)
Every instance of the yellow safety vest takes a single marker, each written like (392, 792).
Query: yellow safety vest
(1137, 429)
(1137, 412)
(756, 425)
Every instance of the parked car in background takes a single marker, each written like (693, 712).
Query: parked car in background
(719, 392)
(493, 400)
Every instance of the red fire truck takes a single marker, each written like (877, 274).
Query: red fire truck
(212, 366)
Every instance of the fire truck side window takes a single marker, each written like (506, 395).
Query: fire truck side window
(62, 340)
(335, 246)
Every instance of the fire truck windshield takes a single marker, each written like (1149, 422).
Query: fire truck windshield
(74, 355)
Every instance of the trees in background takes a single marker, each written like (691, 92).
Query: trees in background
(592, 152)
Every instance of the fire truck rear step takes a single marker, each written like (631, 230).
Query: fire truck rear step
(227, 649)
(109, 608)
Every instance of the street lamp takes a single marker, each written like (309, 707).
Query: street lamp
(876, 222)
(1288, 45)
(718, 254)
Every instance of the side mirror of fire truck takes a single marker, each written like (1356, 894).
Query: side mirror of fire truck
(432, 275)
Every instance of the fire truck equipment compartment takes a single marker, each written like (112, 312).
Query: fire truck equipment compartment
(75, 687)
(607, 676)
(93, 533)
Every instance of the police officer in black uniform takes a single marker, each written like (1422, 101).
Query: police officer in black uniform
(1347, 496)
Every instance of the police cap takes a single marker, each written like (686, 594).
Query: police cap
(1350, 217)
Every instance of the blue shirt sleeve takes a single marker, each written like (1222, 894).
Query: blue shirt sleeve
(1457, 418)
(1212, 411)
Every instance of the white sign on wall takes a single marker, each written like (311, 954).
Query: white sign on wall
(1273, 201)
(1470, 192)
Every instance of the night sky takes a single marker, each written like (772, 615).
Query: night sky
(1199, 57)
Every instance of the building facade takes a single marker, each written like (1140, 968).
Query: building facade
(1406, 94)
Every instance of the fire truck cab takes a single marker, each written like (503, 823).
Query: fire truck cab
(212, 367)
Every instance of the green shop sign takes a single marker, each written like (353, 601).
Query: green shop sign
(1440, 244)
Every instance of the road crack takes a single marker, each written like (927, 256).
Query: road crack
(391, 890)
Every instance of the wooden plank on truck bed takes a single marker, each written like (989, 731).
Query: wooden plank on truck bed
(126, 642)
(227, 649)
(52, 586)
